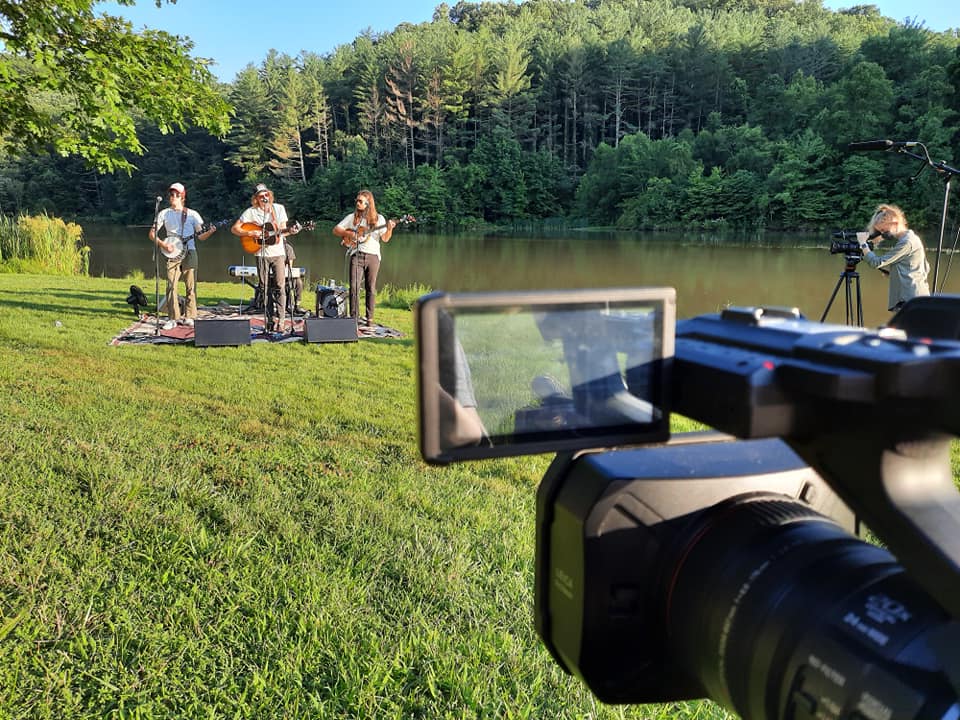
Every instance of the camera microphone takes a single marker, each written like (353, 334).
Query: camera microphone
(880, 145)
(874, 234)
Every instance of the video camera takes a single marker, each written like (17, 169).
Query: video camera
(846, 242)
(703, 565)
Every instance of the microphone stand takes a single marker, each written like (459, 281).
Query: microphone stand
(948, 173)
(156, 265)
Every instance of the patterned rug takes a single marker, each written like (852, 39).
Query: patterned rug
(147, 330)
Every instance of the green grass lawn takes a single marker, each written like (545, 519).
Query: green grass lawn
(250, 533)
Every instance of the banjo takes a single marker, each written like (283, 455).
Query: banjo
(177, 249)
(178, 246)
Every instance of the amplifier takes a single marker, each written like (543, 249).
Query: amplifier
(332, 302)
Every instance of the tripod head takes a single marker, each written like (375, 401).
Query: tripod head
(851, 262)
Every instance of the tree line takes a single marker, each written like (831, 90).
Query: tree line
(680, 114)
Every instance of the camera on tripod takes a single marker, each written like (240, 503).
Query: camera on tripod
(845, 242)
(704, 566)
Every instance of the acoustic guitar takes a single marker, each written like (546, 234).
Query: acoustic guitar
(179, 247)
(362, 231)
(268, 234)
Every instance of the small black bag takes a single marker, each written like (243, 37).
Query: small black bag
(137, 299)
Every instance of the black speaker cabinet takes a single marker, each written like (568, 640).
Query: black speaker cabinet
(933, 316)
(331, 302)
(322, 329)
(221, 332)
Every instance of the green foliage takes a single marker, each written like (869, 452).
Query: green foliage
(495, 113)
(503, 192)
(74, 81)
(41, 244)
(401, 298)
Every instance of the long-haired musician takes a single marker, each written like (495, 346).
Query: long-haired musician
(182, 228)
(361, 232)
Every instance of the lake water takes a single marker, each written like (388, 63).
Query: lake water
(796, 271)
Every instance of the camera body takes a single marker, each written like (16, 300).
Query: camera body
(711, 566)
(845, 242)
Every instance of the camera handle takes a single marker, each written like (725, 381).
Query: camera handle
(902, 487)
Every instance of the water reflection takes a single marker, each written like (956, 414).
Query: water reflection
(708, 274)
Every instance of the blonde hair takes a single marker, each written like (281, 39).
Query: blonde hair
(887, 213)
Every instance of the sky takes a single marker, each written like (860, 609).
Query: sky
(239, 32)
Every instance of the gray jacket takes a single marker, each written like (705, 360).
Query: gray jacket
(907, 264)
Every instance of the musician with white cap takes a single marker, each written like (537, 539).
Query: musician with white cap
(182, 228)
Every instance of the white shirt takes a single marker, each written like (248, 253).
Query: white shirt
(261, 217)
(186, 227)
(371, 240)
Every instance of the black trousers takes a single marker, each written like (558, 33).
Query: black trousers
(363, 267)
(272, 272)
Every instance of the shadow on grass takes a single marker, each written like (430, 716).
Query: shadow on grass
(117, 309)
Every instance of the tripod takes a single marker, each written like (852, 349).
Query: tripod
(848, 278)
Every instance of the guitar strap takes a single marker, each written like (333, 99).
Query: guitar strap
(273, 218)
(268, 217)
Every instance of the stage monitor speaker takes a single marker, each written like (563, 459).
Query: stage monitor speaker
(321, 329)
(221, 332)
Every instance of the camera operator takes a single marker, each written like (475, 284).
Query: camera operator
(906, 261)
(462, 424)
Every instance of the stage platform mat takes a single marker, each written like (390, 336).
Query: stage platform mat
(144, 330)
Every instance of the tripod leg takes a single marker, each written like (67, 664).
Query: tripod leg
(849, 294)
(859, 303)
(832, 297)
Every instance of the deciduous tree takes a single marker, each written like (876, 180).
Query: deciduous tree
(74, 81)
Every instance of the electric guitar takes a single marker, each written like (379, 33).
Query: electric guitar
(269, 235)
(361, 231)
(179, 248)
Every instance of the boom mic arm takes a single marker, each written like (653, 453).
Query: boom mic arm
(880, 145)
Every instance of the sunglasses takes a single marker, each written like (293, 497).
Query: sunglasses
(263, 197)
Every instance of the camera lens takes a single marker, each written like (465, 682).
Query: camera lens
(780, 613)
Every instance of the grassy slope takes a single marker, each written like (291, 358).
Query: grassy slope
(249, 532)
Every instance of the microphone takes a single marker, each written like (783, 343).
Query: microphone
(159, 198)
(880, 145)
